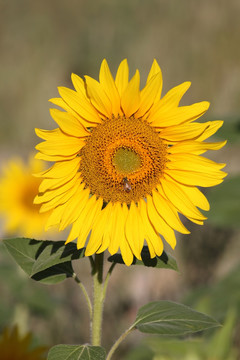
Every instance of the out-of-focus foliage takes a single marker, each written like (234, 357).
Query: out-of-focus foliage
(225, 204)
(230, 130)
(216, 299)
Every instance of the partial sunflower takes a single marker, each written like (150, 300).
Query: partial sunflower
(15, 347)
(18, 187)
(127, 162)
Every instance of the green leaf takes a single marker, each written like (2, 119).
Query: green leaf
(165, 261)
(76, 352)
(45, 261)
(54, 274)
(225, 208)
(170, 318)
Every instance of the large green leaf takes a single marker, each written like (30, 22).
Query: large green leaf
(165, 261)
(170, 318)
(76, 352)
(45, 261)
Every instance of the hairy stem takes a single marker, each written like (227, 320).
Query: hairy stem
(107, 279)
(85, 293)
(98, 300)
(118, 342)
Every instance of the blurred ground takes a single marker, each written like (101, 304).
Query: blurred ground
(41, 43)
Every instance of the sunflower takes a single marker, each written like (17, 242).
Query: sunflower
(127, 162)
(15, 347)
(18, 187)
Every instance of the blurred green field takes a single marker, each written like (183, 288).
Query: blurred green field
(41, 44)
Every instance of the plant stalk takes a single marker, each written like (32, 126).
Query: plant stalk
(118, 342)
(98, 300)
(85, 293)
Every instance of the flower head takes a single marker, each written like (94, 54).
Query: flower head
(127, 161)
(15, 347)
(18, 187)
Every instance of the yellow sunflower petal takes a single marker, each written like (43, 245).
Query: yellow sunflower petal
(159, 224)
(125, 248)
(149, 94)
(213, 127)
(180, 200)
(60, 169)
(196, 196)
(168, 103)
(89, 218)
(48, 184)
(45, 157)
(194, 163)
(60, 199)
(195, 178)
(79, 84)
(173, 96)
(132, 231)
(122, 77)
(155, 69)
(98, 230)
(79, 104)
(130, 100)
(61, 103)
(48, 134)
(74, 207)
(195, 147)
(79, 224)
(68, 123)
(167, 212)
(117, 229)
(98, 97)
(55, 216)
(106, 236)
(126, 252)
(58, 144)
(166, 116)
(153, 239)
(183, 132)
(109, 86)
(49, 195)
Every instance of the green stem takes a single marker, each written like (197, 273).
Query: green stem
(118, 342)
(98, 300)
(107, 279)
(85, 293)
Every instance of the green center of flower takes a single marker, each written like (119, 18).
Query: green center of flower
(126, 160)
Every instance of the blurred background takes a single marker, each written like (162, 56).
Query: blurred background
(41, 44)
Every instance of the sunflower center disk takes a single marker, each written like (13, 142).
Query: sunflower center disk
(126, 160)
(123, 160)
